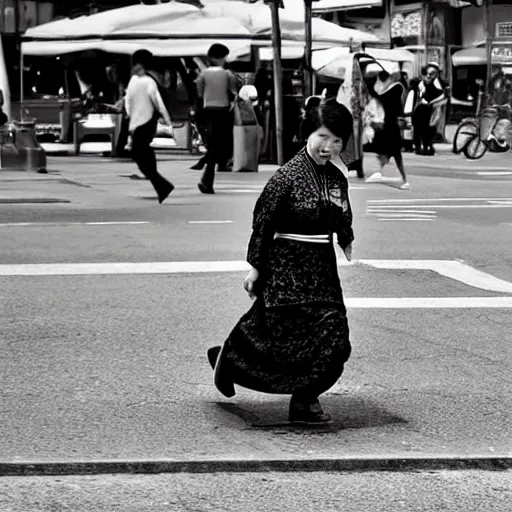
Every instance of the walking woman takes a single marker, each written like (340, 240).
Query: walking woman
(295, 338)
(389, 91)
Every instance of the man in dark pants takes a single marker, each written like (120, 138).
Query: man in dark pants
(144, 106)
(216, 87)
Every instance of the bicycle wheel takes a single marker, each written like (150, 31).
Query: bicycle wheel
(475, 149)
(466, 132)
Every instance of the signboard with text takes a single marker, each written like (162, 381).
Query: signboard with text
(502, 53)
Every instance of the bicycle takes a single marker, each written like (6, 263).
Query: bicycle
(488, 131)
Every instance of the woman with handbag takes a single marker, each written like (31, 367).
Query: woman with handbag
(295, 338)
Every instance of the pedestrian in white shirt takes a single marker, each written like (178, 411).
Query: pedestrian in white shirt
(144, 106)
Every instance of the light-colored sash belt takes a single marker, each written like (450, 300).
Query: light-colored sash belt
(316, 239)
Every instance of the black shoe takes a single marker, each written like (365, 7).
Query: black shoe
(308, 414)
(204, 189)
(163, 194)
(419, 151)
(430, 151)
(199, 165)
(213, 355)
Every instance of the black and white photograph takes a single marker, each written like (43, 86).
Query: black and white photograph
(255, 255)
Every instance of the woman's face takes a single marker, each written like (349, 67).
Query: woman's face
(323, 145)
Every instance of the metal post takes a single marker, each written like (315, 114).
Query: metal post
(488, 24)
(389, 15)
(22, 86)
(278, 80)
(308, 36)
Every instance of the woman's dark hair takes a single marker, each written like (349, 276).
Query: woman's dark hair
(334, 116)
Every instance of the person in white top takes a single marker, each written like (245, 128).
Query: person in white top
(144, 106)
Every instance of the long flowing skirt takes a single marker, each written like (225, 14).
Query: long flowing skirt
(295, 337)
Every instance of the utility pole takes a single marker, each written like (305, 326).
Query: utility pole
(278, 79)
(308, 36)
(489, 29)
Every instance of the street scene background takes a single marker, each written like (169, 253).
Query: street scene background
(109, 302)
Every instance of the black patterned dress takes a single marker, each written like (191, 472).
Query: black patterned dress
(295, 337)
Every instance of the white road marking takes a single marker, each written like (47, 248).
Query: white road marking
(467, 206)
(391, 210)
(383, 219)
(440, 199)
(406, 215)
(429, 302)
(494, 173)
(112, 223)
(210, 222)
(240, 190)
(451, 269)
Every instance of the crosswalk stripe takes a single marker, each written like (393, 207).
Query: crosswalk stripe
(383, 219)
(440, 199)
(451, 269)
(429, 302)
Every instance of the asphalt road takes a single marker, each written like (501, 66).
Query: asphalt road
(464, 491)
(109, 366)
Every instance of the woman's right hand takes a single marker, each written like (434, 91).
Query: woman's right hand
(250, 282)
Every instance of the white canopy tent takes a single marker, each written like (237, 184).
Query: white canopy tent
(176, 29)
(257, 19)
(333, 62)
(340, 5)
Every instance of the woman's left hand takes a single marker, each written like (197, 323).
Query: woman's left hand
(348, 252)
(250, 282)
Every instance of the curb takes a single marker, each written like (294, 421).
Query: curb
(400, 464)
(31, 200)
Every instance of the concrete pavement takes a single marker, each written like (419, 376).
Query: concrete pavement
(97, 175)
(464, 491)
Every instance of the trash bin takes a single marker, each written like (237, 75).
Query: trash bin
(21, 149)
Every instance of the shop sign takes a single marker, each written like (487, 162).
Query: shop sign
(18, 15)
(405, 25)
(502, 53)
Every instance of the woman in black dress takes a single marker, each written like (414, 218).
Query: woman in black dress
(295, 338)
(387, 143)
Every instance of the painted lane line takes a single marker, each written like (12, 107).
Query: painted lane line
(406, 215)
(397, 210)
(240, 190)
(451, 269)
(112, 223)
(418, 215)
(422, 219)
(440, 199)
(467, 206)
(428, 302)
(210, 221)
(495, 173)
(74, 269)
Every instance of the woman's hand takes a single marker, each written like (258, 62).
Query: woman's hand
(250, 282)
(348, 252)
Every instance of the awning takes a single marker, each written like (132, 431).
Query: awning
(344, 5)
(334, 62)
(478, 57)
(162, 29)
(182, 47)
